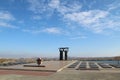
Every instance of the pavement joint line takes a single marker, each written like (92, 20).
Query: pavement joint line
(66, 66)
(98, 66)
(78, 65)
(87, 65)
(111, 66)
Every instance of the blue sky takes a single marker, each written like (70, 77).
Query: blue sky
(31, 28)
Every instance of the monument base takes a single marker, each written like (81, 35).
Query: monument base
(34, 65)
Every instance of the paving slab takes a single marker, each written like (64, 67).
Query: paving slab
(65, 74)
(50, 66)
(29, 73)
(68, 75)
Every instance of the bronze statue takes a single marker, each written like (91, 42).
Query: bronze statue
(39, 61)
(63, 50)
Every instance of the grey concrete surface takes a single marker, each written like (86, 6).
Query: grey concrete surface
(53, 66)
(69, 75)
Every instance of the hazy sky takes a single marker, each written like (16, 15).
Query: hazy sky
(30, 28)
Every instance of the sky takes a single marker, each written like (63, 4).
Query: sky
(32, 28)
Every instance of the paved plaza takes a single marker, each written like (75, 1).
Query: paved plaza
(61, 71)
(50, 66)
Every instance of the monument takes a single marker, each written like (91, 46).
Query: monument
(63, 50)
(38, 61)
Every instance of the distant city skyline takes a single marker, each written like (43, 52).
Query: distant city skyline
(32, 28)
